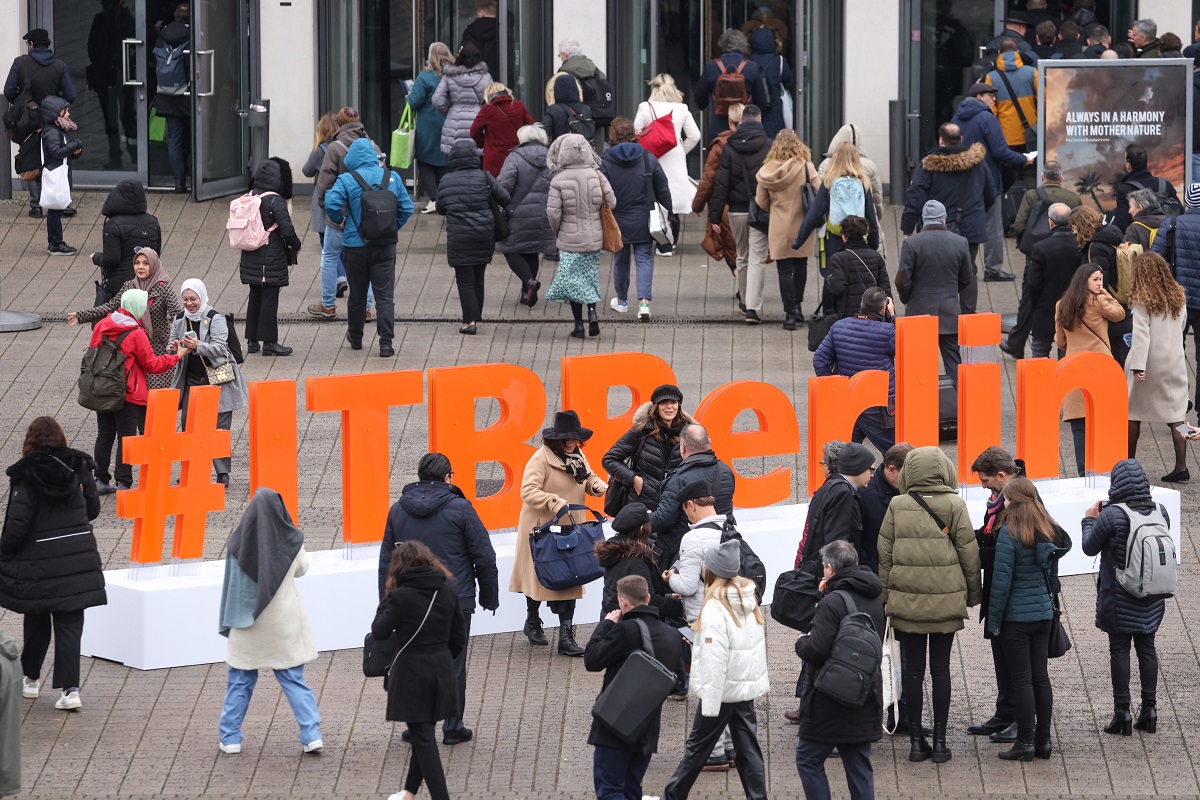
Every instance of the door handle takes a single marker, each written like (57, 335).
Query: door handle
(212, 74)
(126, 44)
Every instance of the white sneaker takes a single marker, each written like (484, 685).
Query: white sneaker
(314, 746)
(30, 690)
(644, 312)
(69, 702)
(231, 749)
(430, 207)
(617, 306)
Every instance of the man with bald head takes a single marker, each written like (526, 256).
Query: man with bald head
(669, 523)
(1052, 262)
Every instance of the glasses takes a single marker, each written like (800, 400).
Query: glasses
(821, 462)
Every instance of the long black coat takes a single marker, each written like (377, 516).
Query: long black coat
(958, 177)
(525, 177)
(422, 688)
(835, 512)
(651, 458)
(621, 556)
(127, 225)
(48, 556)
(439, 516)
(269, 264)
(669, 522)
(626, 166)
(463, 199)
(1051, 266)
(1116, 610)
(610, 645)
(823, 719)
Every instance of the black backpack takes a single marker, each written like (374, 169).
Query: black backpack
(848, 676)
(751, 565)
(1167, 203)
(376, 221)
(102, 375)
(1037, 227)
(598, 94)
(577, 123)
(232, 342)
(23, 118)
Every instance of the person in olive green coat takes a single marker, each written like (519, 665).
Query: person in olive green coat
(929, 566)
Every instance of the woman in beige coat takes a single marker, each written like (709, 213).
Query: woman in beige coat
(263, 617)
(558, 474)
(1081, 321)
(1156, 365)
(781, 179)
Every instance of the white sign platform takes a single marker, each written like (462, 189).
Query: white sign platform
(155, 619)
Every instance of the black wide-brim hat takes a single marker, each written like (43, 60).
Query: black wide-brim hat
(566, 426)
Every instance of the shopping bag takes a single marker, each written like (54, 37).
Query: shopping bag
(403, 137)
(56, 188)
(890, 667)
(158, 128)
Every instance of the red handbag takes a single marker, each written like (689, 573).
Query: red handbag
(659, 136)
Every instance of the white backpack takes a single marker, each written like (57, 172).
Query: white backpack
(245, 225)
(1149, 568)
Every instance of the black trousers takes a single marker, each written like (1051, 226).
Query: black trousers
(455, 724)
(743, 727)
(430, 176)
(1118, 659)
(793, 278)
(1025, 650)
(262, 313)
(68, 632)
(425, 764)
(374, 266)
(951, 355)
(523, 265)
(564, 609)
(913, 645)
(116, 425)
(1006, 708)
(470, 291)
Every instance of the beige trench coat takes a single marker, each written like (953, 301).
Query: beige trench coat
(1088, 336)
(545, 488)
(780, 192)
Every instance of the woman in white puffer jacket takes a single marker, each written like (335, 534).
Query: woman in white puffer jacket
(729, 671)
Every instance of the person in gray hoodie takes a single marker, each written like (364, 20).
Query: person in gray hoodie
(10, 716)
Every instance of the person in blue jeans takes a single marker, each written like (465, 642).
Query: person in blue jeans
(263, 617)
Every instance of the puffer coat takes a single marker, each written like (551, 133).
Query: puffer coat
(495, 129)
(577, 191)
(48, 556)
(652, 459)
(621, 556)
(736, 179)
(57, 145)
(729, 662)
(858, 343)
(688, 580)
(626, 166)
(527, 180)
(929, 577)
(1019, 574)
(463, 198)
(1116, 610)
(460, 96)
(1187, 253)
(850, 272)
(957, 177)
(127, 225)
(268, 265)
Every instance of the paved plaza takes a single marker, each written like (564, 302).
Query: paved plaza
(154, 734)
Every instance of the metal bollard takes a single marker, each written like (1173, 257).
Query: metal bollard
(897, 152)
(260, 133)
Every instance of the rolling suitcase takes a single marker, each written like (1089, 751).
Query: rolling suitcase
(947, 409)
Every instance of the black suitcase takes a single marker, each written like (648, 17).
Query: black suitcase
(947, 409)
(1011, 203)
(638, 690)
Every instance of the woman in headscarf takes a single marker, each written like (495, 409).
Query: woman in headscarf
(556, 475)
(263, 617)
(201, 337)
(124, 326)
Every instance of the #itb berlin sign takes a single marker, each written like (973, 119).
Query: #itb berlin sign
(1090, 110)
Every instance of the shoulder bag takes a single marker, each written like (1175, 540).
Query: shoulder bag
(659, 136)
(379, 657)
(1059, 643)
(636, 692)
(1031, 141)
(611, 242)
(501, 229)
(937, 520)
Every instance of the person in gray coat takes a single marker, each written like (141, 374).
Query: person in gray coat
(200, 335)
(10, 716)
(460, 94)
(527, 180)
(936, 277)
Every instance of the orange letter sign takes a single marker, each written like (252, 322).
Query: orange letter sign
(274, 461)
(917, 380)
(778, 434)
(978, 392)
(834, 403)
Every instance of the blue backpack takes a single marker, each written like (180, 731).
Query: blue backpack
(170, 69)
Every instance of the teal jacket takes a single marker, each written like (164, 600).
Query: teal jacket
(1019, 592)
(346, 191)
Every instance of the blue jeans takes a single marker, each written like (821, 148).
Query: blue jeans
(643, 256)
(333, 269)
(300, 698)
(856, 760)
(176, 129)
(617, 772)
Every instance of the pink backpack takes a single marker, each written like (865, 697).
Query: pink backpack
(245, 226)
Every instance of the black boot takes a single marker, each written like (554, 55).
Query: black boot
(919, 749)
(533, 628)
(1022, 750)
(1042, 747)
(1148, 716)
(1122, 721)
(789, 321)
(593, 322)
(567, 645)
(941, 753)
(578, 331)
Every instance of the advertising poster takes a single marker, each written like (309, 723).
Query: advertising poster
(1092, 110)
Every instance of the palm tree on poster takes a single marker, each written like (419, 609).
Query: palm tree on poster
(1087, 184)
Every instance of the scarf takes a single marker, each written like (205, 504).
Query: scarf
(196, 285)
(135, 301)
(66, 123)
(259, 556)
(157, 275)
(575, 465)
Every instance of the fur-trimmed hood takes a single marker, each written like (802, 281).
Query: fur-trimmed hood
(52, 473)
(641, 417)
(622, 548)
(954, 158)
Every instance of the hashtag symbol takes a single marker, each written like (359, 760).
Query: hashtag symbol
(157, 450)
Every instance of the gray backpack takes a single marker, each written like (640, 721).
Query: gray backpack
(1149, 568)
(102, 375)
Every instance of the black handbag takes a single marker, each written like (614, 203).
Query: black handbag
(1059, 643)
(379, 656)
(102, 294)
(819, 325)
(619, 495)
(500, 229)
(636, 692)
(794, 602)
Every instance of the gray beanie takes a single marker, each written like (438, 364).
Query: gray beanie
(724, 559)
(933, 211)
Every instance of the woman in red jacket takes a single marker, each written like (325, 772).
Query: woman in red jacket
(139, 360)
(495, 128)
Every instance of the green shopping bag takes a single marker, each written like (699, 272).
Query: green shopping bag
(402, 140)
(158, 128)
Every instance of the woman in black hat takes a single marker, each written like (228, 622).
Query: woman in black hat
(639, 463)
(556, 475)
(629, 553)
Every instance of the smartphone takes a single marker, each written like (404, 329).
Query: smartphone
(1184, 429)
(191, 334)
(1104, 504)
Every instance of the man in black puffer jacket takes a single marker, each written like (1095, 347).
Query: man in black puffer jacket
(265, 270)
(434, 512)
(669, 523)
(127, 226)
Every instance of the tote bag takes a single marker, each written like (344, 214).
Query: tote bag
(564, 555)
(402, 140)
(659, 136)
(56, 189)
(611, 241)
(890, 667)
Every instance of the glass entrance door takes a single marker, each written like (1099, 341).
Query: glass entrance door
(220, 97)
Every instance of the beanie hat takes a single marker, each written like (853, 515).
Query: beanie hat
(855, 459)
(666, 392)
(724, 559)
(630, 519)
(135, 302)
(1191, 195)
(933, 211)
(347, 115)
